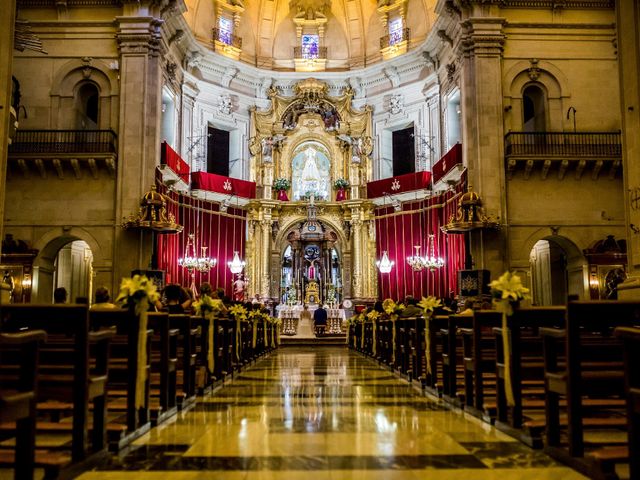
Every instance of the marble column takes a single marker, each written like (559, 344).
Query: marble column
(190, 93)
(7, 25)
(356, 226)
(138, 39)
(628, 13)
(266, 255)
(481, 46)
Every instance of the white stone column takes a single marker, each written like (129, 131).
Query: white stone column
(139, 127)
(628, 13)
(7, 25)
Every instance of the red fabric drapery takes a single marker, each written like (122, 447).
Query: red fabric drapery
(399, 184)
(169, 157)
(222, 184)
(398, 233)
(449, 160)
(222, 234)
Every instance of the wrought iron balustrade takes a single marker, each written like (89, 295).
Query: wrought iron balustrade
(319, 54)
(226, 37)
(563, 144)
(63, 141)
(394, 38)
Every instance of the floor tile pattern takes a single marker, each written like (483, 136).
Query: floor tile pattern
(325, 413)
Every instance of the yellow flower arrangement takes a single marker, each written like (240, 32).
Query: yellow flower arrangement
(429, 304)
(138, 291)
(238, 312)
(509, 287)
(206, 305)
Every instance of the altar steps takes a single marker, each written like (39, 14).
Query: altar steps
(332, 341)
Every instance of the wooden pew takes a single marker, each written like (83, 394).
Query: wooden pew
(631, 339)
(187, 358)
(433, 381)
(18, 395)
(583, 364)
(527, 368)
(123, 373)
(480, 363)
(452, 357)
(74, 365)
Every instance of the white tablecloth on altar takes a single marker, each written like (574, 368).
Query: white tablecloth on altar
(294, 312)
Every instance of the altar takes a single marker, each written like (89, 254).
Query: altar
(290, 316)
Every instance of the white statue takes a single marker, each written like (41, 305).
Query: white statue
(310, 171)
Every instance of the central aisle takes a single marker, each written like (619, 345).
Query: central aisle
(326, 413)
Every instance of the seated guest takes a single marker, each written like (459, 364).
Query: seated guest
(60, 295)
(186, 299)
(173, 299)
(206, 289)
(102, 300)
(411, 308)
(320, 320)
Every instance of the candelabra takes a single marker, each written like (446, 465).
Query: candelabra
(192, 263)
(430, 262)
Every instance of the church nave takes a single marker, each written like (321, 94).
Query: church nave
(330, 413)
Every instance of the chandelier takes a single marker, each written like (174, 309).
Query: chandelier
(236, 265)
(384, 264)
(430, 262)
(193, 263)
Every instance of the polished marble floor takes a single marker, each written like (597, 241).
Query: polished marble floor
(325, 413)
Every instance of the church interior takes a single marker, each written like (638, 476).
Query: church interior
(353, 239)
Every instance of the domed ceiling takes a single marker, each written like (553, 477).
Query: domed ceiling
(352, 31)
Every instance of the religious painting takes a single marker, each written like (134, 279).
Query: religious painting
(311, 172)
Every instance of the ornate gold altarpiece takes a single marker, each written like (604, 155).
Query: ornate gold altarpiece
(311, 115)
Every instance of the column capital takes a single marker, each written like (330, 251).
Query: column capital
(482, 37)
(139, 35)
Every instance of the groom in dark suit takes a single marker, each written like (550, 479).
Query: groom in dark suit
(320, 320)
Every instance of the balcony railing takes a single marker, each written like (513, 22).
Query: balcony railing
(227, 38)
(63, 141)
(563, 144)
(320, 54)
(394, 38)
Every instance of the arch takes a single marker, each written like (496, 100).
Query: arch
(557, 269)
(75, 71)
(549, 75)
(49, 244)
(546, 75)
(286, 227)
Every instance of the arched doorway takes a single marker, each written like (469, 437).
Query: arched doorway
(557, 271)
(533, 109)
(73, 270)
(64, 262)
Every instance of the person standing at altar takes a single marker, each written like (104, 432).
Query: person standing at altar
(320, 320)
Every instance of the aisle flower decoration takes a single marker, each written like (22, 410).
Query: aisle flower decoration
(239, 313)
(255, 316)
(428, 305)
(207, 307)
(138, 293)
(507, 292)
(393, 310)
(373, 316)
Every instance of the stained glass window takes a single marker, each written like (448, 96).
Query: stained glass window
(310, 46)
(225, 29)
(395, 31)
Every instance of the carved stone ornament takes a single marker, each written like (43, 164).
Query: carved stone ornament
(396, 104)
(451, 71)
(86, 67)
(224, 104)
(534, 70)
